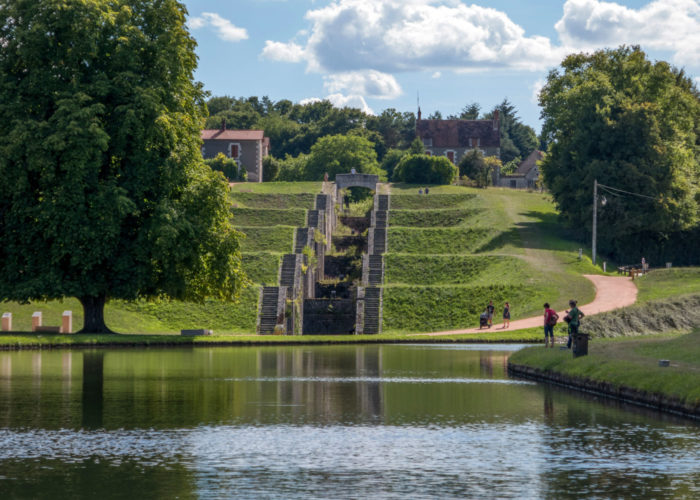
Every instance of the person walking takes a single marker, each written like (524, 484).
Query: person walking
(489, 309)
(575, 314)
(506, 316)
(550, 319)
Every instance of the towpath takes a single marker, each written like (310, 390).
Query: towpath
(612, 292)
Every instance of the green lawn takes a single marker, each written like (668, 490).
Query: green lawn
(269, 217)
(273, 200)
(662, 283)
(630, 363)
(276, 187)
(262, 267)
(435, 242)
(267, 239)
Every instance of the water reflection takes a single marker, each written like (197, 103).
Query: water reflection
(342, 421)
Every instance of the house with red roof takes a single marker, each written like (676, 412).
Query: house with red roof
(526, 175)
(247, 147)
(455, 138)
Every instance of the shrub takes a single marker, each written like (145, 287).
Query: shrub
(292, 168)
(477, 168)
(228, 167)
(424, 169)
(271, 168)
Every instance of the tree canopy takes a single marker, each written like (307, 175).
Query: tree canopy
(104, 193)
(424, 169)
(339, 154)
(631, 124)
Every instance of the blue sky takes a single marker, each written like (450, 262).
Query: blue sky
(377, 54)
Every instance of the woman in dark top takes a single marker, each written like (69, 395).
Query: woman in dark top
(506, 315)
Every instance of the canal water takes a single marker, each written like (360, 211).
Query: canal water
(389, 421)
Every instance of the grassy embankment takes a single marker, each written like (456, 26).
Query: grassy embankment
(668, 307)
(629, 363)
(452, 251)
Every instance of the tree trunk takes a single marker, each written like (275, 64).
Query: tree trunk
(94, 314)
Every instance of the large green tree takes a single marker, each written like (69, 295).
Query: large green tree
(104, 192)
(631, 124)
(339, 154)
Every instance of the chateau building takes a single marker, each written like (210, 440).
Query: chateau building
(247, 147)
(455, 138)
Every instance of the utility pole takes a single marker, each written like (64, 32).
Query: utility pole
(595, 215)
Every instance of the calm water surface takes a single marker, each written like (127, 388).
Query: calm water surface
(394, 421)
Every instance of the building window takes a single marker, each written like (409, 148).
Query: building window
(428, 142)
(450, 155)
(428, 152)
(234, 150)
(470, 142)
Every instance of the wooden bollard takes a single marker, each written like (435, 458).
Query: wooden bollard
(6, 322)
(67, 322)
(36, 320)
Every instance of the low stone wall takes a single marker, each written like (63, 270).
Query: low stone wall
(661, 402)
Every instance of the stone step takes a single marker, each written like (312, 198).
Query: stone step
(383, 202)
(268, 310)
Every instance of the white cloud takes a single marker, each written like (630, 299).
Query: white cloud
(350, 101)
(284, 52)
(409, 35)
(436, 75)
(342, 101)
(672, 25)
(369, 83)
(536, 88)
(224, 28)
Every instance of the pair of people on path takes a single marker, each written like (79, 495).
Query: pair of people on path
(573, 318)
(506, 314)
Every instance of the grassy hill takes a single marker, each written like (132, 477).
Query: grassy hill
(453, 250)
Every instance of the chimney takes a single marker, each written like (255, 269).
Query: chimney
(223, 124)
(495, 119)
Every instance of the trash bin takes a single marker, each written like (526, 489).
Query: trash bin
(580, 345)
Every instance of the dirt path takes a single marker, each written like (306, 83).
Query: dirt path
(612, 292)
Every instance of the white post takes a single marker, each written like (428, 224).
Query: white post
(7, 322)
(605, 267)
(595, 217)
(36, 320)
(67, 322)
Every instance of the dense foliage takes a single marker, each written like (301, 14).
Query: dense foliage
(477, 168)
(633, 125)
(104, 191)
(227, 166)
(340, 154)
(424, 169)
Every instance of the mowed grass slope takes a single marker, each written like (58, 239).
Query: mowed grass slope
(266, 214)
(453, 250)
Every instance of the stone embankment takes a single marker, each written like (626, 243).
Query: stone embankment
(661, 402)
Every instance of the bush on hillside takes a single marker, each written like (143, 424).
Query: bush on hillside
(292, 168)
(271, 168)
(424, 169)
(390, 160)
(228, 166)
(477, 168)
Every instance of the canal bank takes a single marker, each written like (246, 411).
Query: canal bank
(625, 369)
(22, 341)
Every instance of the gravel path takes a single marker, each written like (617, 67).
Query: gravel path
(611, 292)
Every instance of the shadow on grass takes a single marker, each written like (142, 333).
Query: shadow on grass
(544, 231)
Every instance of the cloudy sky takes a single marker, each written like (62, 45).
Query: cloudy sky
(376, 54)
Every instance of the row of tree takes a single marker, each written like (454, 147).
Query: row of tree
(304, 135)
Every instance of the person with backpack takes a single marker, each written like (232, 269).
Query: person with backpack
(550, 319)
(575, 314)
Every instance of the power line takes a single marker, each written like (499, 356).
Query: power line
(623, 191)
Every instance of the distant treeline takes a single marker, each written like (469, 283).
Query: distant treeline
(294, 129)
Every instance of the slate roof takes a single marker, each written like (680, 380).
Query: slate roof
(456, 133)
(232, 135)
(530, 162)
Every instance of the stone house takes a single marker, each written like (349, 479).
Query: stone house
(526, 175)
(247, 147)
(454, 138)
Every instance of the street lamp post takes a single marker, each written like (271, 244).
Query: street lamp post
(595, 216)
